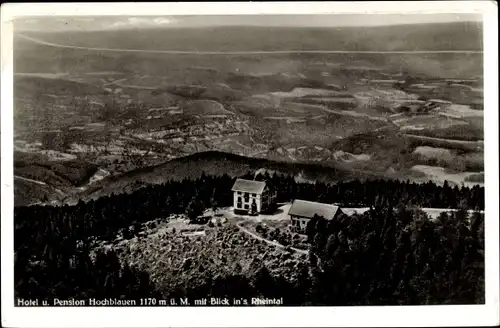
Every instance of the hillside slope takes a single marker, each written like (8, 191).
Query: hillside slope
(213, 163)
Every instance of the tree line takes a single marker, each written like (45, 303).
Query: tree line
(358, 193)
(53, 255)
(397, 257)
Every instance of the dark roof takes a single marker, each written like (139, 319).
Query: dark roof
(308, 209)
(251, 186)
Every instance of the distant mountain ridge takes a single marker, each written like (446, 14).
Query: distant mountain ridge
(457, 36)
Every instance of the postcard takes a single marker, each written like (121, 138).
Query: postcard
(250, 164)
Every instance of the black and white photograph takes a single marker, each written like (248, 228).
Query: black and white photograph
(166, 162)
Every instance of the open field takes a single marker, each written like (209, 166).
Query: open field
(439, 174)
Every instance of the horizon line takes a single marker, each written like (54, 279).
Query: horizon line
(249, 52)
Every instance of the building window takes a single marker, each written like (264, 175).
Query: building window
(246, 206)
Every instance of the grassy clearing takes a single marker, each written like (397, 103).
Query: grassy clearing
(430, 123)
(437, 153)
(436, 173)
(461, 146)
(464, 132)
(400, 152)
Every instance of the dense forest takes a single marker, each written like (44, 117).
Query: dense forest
(382, 257)
(397, 257)
(389, 255)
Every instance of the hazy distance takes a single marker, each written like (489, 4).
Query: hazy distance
(70, 23)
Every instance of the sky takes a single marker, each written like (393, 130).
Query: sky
(61, 23)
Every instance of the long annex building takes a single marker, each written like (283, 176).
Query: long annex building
(302, 211)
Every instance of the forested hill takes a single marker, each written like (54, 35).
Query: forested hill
(103, 217)
(53, 245)
(106, 214)
(217, 164)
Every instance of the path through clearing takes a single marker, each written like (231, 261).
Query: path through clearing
(30, 180)
(267, 241)
(41, 183)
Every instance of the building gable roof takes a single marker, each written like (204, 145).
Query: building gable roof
(251, 186)
(308, 209)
